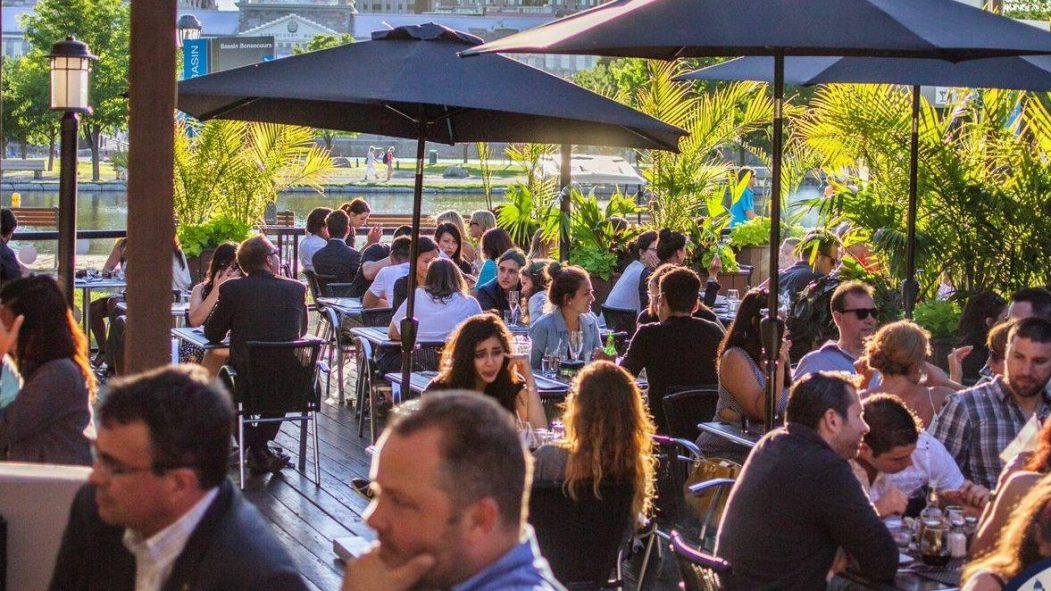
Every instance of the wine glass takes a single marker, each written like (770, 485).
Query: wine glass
(552, 359)
(514, 301)
(576, 344)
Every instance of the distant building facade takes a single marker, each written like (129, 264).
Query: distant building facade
(332, 15)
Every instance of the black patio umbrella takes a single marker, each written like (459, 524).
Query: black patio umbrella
(409, 82)
(670, 29)
(1031, 72)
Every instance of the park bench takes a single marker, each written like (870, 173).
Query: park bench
(18, 164)
(36, 217)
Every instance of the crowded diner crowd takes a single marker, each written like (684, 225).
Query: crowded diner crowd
(635, 404)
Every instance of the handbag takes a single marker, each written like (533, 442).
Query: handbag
(707, 469)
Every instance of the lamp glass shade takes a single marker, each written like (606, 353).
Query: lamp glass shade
(69, 83)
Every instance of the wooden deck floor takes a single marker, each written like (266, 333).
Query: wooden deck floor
(306, 518)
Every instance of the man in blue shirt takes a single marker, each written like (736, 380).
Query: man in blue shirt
(743, 209)
(448, 482)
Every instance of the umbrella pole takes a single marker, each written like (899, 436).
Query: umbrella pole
(910, 288)
(566, 204)
(409, 324)
(771, 326)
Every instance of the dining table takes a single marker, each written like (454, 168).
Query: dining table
(89, 284)
(195, 336)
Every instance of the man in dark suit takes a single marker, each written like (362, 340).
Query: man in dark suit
(262, 306)
(337, 259)
(680, 350)
(158, 511)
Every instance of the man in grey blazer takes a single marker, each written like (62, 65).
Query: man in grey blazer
(158, 512)
(261, 306)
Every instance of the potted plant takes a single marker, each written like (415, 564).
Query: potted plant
(596, 240)
(200, 240)
(940, 318)
(751, 241)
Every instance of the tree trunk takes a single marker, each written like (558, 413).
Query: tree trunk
(23, 148)
(94, 135)
(328, 137)
(51, 152)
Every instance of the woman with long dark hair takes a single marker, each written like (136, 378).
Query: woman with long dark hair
(478, 357)
(222, 268)
(742, 377)
(671, 250)
(625, 294)
(982, 311)
(609, 437)
(495, 242)
(450, 242)
(49, 420)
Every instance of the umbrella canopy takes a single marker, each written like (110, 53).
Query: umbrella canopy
(1021, 73)
(409, 82)
(670, 29)
(412, 73)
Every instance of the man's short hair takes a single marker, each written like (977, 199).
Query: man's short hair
(854, 288)
(403, 231)
(1037, 297)
(316, 219)
(252, 254)
(891, 423)
(399, 249)
(815, 393)
(818, 242)
(187, 415)
(338, 223)
(8, 221)
(1033, 328)
(680, 287)
(481, 453)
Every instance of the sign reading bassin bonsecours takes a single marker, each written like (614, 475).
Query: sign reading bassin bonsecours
(226, 53)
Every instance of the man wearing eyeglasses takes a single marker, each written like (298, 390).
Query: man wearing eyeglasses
(158, 511)
(854, 312)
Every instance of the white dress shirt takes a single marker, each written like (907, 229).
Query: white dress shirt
(307, 248)
(155, 557)
(383, 285)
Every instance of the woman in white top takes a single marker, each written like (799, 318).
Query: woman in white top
(625, 293)
(441, 303)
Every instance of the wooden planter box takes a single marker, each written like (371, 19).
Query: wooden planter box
(199, 265)
(940, 349)
(728, 281)
(757, 257)
(602, 289)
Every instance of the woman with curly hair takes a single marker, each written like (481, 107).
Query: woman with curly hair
(478, 357)
(609, 437)
(1026, 540)
(49, 420)
(899, 352)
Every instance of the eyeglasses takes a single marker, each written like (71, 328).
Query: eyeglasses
(112, 468)
(473, 224)
(863, 313)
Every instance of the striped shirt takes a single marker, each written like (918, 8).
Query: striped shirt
(977, 424)
(155, 557)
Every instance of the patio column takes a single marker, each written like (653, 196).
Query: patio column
(150, 183)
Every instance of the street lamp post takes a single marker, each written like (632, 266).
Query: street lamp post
(188, 28)
(70, 69)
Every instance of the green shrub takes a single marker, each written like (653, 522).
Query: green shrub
(196, 238)
(939, 317)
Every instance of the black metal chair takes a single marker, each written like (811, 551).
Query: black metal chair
(713, 493)
(280, 379)
(675, 459)
(699, 571)
(620, 320)
(684, 408)
(582, 538)
(377, 317)
(330, 287)
(341, 345)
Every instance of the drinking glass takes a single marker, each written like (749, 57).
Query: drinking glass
(514, 302)
(576, 344)
(551, 360)
(732, 299)
(934, 543)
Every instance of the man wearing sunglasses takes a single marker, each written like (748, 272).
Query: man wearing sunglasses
(854, 312)
(817, 256)
(158, 511)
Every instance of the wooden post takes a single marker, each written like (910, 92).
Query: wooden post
(151, 185)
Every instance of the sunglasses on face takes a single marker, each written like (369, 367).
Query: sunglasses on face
(864, 313)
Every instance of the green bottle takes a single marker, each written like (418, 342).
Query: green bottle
(611, 347)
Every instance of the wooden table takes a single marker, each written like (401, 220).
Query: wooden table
(195, 336)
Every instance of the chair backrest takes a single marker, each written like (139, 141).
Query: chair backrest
(685, 408)
(281, 377)
(286, 218)
(581, 538)
(330, 287)
(313, 285)
(699, 571)
(620, 320)
(33, 533)
(673, 468)
(377, 317)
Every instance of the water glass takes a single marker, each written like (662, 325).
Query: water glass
(732, 299)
